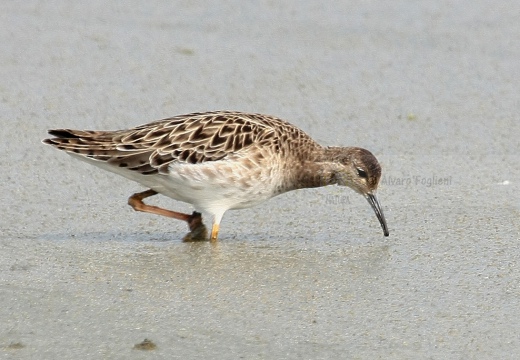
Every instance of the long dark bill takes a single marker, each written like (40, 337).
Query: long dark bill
(372, 200)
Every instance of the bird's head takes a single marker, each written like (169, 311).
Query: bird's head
(358, 169)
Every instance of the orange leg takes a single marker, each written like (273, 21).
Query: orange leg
(136, 202)
(214, 232)
(197, 228)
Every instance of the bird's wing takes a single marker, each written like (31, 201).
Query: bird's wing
(192, 138)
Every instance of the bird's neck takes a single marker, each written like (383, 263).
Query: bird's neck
(319, 169)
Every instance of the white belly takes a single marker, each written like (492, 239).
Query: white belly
(212, 187)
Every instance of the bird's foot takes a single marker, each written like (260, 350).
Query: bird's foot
(198, 231)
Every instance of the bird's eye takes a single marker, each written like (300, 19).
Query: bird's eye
(361, 173)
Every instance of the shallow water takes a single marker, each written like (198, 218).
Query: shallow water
(430, 89)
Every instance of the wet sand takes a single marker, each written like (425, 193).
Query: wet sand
(430, 89)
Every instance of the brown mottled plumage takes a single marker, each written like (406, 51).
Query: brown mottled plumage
(221, 160)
